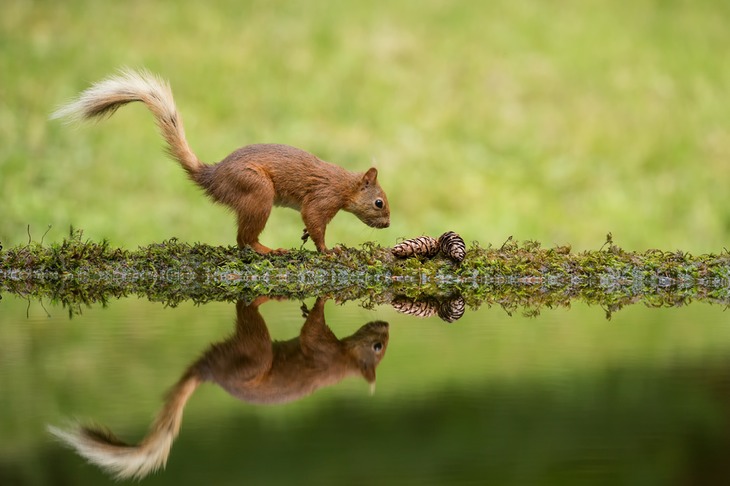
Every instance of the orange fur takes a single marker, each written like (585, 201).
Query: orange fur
(252, 179)
(250, 367)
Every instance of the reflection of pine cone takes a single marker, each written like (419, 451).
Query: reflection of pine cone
(449, 310)
(452, 246)
(452, 309)
(422, 308)
(424, 246)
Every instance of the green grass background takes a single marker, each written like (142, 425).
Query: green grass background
(555, 121)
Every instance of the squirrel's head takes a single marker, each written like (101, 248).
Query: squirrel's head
(368, 346)
(369, 202)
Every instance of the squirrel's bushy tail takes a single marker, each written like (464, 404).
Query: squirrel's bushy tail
(99, 446)
(102, 99)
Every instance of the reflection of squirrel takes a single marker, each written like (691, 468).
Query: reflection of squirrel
(250, 367)
(252, 179)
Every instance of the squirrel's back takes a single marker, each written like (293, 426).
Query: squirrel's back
(294, 174)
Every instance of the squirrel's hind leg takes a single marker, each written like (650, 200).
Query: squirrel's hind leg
(253, 207)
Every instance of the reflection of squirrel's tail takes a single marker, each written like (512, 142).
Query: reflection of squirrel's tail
(99, 446)
(105, 97)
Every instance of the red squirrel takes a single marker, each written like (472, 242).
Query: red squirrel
(252, 179)
(250, 367)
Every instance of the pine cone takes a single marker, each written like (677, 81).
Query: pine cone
(424, 246)
(452, 309)
(452, 246)
(417, 308)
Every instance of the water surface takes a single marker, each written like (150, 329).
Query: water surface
(563, 397)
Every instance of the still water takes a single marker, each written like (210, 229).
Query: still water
(563, 397)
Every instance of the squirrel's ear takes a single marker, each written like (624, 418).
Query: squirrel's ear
(370, 177)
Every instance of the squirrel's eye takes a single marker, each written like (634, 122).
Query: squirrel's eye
(379, 203)
(378, 346)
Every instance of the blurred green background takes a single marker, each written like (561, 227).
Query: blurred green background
(555, 121)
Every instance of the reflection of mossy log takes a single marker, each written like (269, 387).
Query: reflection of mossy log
(514, 275)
